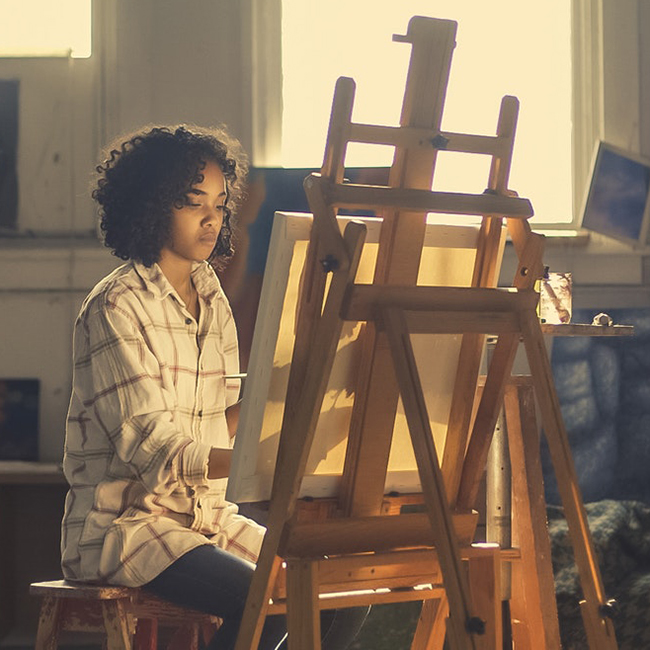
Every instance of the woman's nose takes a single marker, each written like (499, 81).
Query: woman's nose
(212, 216)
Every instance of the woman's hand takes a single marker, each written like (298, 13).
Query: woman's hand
(219, 463)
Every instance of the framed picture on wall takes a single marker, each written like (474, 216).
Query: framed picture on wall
(617, 199)
(19, 419)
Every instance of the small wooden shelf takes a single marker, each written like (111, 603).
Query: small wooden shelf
(20, 472)
(586, 329)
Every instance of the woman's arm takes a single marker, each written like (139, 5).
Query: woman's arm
(219, 463)
(118, 378)
(219, 459)
(232, 418)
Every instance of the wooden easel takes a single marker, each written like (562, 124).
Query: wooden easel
(357, 547)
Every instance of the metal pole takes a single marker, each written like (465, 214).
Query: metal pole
(498, 521)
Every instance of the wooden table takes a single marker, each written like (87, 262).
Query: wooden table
(31, 506)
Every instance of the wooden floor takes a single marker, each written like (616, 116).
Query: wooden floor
(388, 627)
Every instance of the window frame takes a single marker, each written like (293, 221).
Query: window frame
(596, 28)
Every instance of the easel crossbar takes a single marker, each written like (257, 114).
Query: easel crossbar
(366, 534)
(452, 322)
(407, 569)
(349, 195)
(413, 137)
(362, 300)
(367, 597)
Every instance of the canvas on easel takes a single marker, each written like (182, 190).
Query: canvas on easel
(447, 260)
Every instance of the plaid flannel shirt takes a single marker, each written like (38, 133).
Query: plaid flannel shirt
(148, 402)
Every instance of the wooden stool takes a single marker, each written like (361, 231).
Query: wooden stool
(129, 617)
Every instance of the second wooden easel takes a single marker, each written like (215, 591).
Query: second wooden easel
(358, 555)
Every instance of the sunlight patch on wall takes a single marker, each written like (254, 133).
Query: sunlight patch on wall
(42, 28)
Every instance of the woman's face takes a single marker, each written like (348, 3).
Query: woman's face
(195, 227)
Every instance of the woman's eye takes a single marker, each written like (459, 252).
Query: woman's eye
(220, 208)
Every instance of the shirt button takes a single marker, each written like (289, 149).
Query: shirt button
(200, 414)
(191, 492)
(198, 505)
(188, 321)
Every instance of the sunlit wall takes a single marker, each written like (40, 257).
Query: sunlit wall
(503, 47)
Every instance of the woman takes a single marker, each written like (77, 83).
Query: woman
(153, 415)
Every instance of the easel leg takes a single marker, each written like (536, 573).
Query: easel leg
(485, 585)
(532, 605)
(461, 617)
(599, 629)
(486, 419)
(432, 624)
(298, 429)
(303, 613)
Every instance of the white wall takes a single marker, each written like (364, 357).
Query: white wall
(175, 61)
(154, 61)
(189, 61)
(56, 141)
(41, 290)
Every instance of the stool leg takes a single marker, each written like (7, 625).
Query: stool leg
(49, 624)
(185, 638)
(146, 634)
(208, 630)
(116, 624)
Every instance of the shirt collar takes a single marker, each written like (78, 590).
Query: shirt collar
(205, 280)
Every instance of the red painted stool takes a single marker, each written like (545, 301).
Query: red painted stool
(128, 617)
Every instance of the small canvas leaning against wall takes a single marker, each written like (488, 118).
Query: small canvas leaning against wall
(447, 260)
(19, 400)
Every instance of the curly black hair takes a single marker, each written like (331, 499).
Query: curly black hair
(149, 173)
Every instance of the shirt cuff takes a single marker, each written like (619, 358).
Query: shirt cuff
(193, 464)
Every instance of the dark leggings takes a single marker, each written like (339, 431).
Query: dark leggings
(211, 580)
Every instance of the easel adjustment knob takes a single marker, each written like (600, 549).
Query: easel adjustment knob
(329, 263)
(609, 609)
(440, 142)
(475, 625)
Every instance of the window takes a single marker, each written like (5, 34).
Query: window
(503, 47)
(44, 28)
(8, 153)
